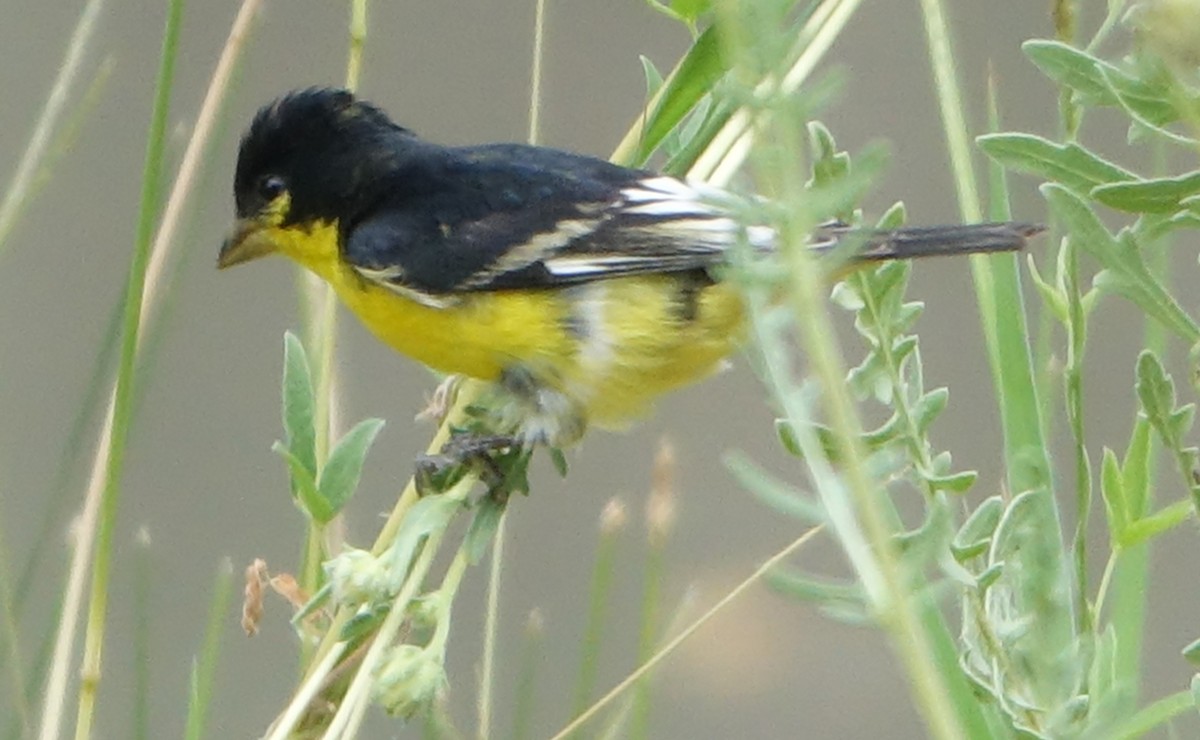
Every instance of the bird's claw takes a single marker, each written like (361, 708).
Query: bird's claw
(436, 471)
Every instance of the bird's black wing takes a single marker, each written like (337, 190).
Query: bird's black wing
(512, 216)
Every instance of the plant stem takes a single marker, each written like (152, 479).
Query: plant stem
(122, 405)
(25, 177)
(487, 668)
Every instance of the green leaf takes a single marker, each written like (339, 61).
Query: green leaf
(1100, 83)
(903, 347)
(1167, 518)
(1160, 195)
(304, 487)
(905, 317)
(928, 408)
(787, 437)
(1125, 272)
(1068, 164)
(1112, 490)
(772, 491)
(1071, 67)
(691, 11)
(841, 196)
(953, 483)
(975, 534)
(1191, 654)
(339, 477)
(1156, 393)
(427, 515)
(1054, 297)
(868, 379)
(988, 576)
(688, 12)
(829, 164)
(363, 623)
(1144, 110)
(483, 528)
(695, 76)
(894, 217)
(299, 404)
(654, 79)
(698, 133)
(1135, 471)
(805, 587)
(884, 433)
(558, 460)
(845, 295)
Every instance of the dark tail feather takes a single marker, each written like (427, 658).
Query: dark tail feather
(929, 241)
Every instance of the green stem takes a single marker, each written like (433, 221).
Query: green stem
(490, 630)
(598, 598)
(143, 587)
(531, 654)
(10, 643)
(1155, 715)
(127, 362)
(205, 665)
(653, 576)
(1073, 380)
(25, 179)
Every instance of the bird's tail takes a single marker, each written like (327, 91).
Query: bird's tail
(926, 241)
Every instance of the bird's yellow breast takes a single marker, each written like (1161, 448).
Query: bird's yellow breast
(611, 345)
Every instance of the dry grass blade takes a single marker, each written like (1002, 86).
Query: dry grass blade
(682, 637)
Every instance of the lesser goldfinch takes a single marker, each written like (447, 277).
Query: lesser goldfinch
(583, 288)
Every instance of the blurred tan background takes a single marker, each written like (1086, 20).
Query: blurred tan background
(200, 474)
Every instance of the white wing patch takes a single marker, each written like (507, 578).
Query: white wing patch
(667, 196)
(591, 264)
(389, 277)
(693, 208)
(539, 247)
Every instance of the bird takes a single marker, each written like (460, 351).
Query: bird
(582, 290)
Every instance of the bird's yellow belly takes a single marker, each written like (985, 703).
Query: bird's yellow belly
(611, 346)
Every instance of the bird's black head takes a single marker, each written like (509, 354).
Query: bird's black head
(308, 157)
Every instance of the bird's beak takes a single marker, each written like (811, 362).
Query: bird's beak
(249, 241)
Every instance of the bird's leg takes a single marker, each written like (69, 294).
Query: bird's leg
(541, 414)
(531, 413)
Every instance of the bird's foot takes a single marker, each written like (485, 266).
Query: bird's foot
(462, 452)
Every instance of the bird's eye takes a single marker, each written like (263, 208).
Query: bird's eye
(271, 187)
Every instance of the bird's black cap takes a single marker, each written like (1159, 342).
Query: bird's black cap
(323, 143)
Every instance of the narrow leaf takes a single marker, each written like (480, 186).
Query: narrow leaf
(1125, 272)
(299, 404)
(1160, 195)
(304, 487)
(1068, 164)
(1112, 490)
(339, 477)
(483, 528)
(697, 72)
